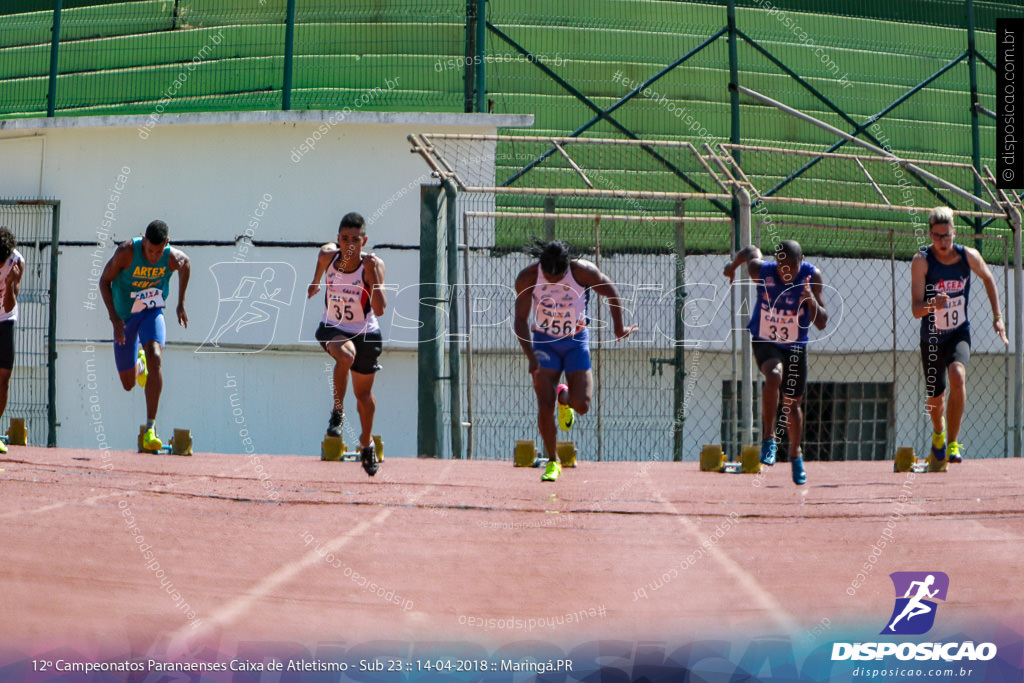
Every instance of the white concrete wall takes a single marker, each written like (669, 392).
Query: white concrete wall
(283, 177)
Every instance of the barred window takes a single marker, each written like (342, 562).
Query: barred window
(842, 420)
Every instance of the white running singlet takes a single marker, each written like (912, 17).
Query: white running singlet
(347, 301)
(5, 270)
(559, 308)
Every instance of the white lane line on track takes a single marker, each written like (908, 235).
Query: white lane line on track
(229, 612)
(738, 576)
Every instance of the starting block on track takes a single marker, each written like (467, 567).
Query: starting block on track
(906, 461)
(712, 459)
(180, 443)
(333, 448)
(566, 452)
(17, 435)
(526, 455)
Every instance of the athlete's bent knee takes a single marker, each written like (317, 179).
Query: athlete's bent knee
(581, 406)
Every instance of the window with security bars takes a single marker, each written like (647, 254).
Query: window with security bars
(842, 420)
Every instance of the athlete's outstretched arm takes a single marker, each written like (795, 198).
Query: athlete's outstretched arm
(749, 255)
(13, 286)
(373, 267)
(813, 296)
(980, 269)
(525, 282)
(121, 259)
(181, 264)
(323, 259)
(587, 274)
(919, 305)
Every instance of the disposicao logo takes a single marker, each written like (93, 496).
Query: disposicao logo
(914, 614)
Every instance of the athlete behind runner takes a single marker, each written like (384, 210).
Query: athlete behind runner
(789, 299)
(134, 286)
(556, 290)
(940, 287)
(349, 330)
(12, 265)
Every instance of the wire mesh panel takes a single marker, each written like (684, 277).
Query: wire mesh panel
(866, 391)
(29, 394)
(154, 57)
(638, 398)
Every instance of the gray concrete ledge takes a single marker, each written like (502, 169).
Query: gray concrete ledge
(424, 120)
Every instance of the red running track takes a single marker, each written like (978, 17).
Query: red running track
(109, 554)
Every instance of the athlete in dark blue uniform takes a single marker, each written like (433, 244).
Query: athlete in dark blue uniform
(940, 289)
(789, 300)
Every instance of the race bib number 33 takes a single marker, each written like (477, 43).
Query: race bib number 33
(778, 327)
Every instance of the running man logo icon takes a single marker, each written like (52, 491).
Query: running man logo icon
(916, 592)
(248, 315)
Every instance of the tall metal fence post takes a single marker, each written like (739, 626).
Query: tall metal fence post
(1018, 335)
(454, 341)
(51, 334)
(51, 95)
(289, 54)
(972, 62)
(481, 39)
(746, 371)
(468, 50)
(430, 351)
(734, 103)
(679, 334)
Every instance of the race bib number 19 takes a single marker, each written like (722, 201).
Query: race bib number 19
(952, 316)
(147, 298)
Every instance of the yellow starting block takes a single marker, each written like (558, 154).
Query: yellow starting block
(712, 459)
(525, 453)
(334, 449)
(180, 443)
(566, 452)
(17, 435)
(750, 460)
(906, 461)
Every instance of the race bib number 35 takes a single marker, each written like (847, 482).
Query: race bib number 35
(778, 327)
(344, 307)
(147, 298)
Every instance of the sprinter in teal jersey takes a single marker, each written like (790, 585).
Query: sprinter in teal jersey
(134, 287)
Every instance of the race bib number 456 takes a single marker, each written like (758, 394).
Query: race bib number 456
(557, 322)
(147, 298)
